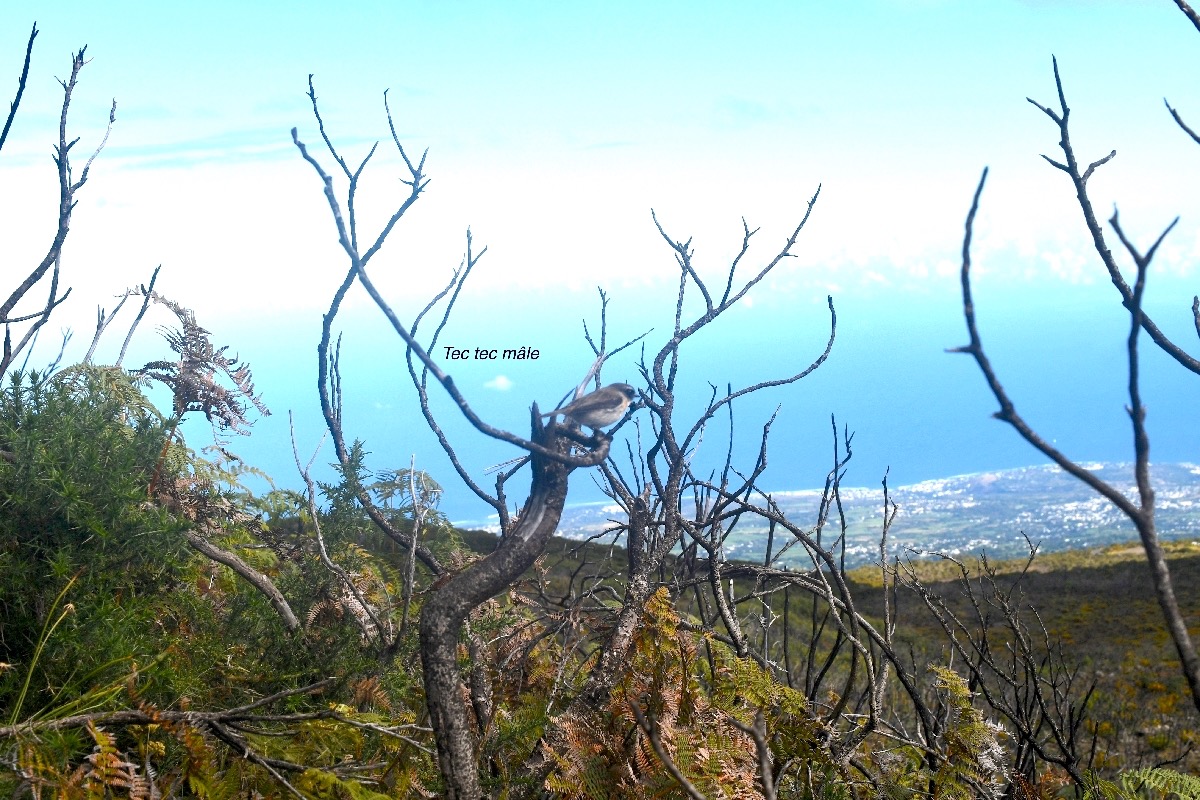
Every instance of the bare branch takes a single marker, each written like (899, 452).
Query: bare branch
(240, 713)
(255, 578)
(1179, 121)
(372, 626)
(445, 610)
(1189, 12)
(419, 510)
(12, 110)
(103, 320)
(1007, 412)
(358, 265)
(453, 288)
(1022, 675)
(416, 171)
(1142, 515)
(66, 205)
(1071, 167)
(147, 292)
(804, 373)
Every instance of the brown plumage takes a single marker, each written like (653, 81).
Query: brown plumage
(601, 408)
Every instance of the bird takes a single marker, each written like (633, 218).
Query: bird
(601, 408)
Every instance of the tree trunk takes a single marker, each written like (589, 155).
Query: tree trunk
(444, 613)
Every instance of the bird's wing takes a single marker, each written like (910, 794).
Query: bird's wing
(588, 403)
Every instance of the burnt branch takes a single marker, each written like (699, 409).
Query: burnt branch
(1079, 179)
(328, 380)
(421, 382)
(12, 109)
(554, 451)
(1189, 12)
(1015, 666)
(21, 86)
(663, 471)
(67, 188)
(1008, 412)
(1179, 121)
(103, 320)
(147, 292)
(1141, 514)
(358, 270)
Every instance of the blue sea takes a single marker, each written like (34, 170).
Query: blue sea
(915, 411)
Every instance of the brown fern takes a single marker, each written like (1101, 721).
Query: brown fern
(613, 755)
(194, 380)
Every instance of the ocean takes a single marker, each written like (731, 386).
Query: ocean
(916, 412)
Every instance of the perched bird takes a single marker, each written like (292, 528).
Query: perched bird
(601, 408)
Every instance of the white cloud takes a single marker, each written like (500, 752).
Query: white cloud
(1068, 265)
(500, 383)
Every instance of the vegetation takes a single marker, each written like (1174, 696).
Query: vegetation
(167, 632)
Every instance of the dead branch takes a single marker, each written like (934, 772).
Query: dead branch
(255, 578)
(1142, 513)
(12, 109)
(369, 621)
(1020, 673)
(1179, 121)
(147, 292)
(348, 240)
(445, 611)
(554, 450)
(1079, 179)
(1189, 12)
(223, 725)
(67, 188)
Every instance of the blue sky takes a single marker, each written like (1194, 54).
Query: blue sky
(554, 128)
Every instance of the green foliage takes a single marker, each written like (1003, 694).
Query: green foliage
(1139, 784)
(53, 620)
(966, 761)
(74, 514)
(322, 785)
(740, 687)
(972, 755)
(103, 606)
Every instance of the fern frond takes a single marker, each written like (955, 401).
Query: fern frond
(1165, 781)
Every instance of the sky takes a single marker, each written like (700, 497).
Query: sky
(554, 129)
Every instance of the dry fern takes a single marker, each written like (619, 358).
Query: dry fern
(193, 378)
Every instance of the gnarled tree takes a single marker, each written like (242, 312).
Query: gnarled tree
(803, 708)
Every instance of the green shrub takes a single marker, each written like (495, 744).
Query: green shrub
(78, 448)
